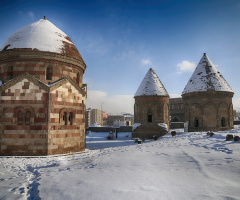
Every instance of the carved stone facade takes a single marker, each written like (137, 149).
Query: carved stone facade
(151, 112)
(176, 109)
(209, 111)
(42, 102)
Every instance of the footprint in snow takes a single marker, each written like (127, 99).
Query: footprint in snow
(22, 190)
(92, 165)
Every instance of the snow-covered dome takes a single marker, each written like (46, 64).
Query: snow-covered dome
(42, 35)
(151, 85)
(206, 77)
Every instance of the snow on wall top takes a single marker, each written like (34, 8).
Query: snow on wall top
(206, 77)
(41, 35)
(151, 85)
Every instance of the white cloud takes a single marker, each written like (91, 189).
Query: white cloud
(175, 95)
(31, 14)
(111, 104)
(186, 66)
(146, 62)
(236, 104)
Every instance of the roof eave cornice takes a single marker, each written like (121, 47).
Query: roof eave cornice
(28, 54)
(64, 81)
(167, 96)
(208, 93)
(20, 78)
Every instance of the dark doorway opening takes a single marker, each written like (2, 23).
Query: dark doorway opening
(149, 118)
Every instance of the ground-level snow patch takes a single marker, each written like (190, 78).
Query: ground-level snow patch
(187, 166)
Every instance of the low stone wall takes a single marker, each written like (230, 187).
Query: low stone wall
(110, 128)
(236, 122)
(125, 129)
(148, 131)
(176, 125)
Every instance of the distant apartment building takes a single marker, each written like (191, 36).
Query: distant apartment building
(88, 116)
(96, 116)
(129, 119)
(176, 109)
(93, 116)
(117, 120)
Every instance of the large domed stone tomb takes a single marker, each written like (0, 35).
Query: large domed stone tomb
(42, 97)
(151, 114)
(208, 99)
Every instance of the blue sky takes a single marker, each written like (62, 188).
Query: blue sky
(121, 40)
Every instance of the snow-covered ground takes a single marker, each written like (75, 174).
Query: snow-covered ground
(188, 166)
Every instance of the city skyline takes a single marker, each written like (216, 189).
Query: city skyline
(119, 41)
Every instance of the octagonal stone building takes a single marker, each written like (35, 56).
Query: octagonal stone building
(208, 99)
(42, 97)
(151, 108)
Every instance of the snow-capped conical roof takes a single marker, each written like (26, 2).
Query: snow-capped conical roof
(42, 35)
(151, 85)
(206, 77)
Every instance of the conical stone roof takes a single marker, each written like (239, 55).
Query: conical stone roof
(151, 85)
(41, 35)
(206, 77)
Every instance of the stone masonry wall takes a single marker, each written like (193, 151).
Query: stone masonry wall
(28, 138)
(155, 106)
(66, 132)
(150, 111)
(209, 111)
(38, 69)
(176, 109)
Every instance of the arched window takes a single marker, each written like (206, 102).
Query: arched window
(196, 122)
(27, 117)
(20, 117)
(65, 119)
(223, 124)
(78, 78)
(10, 72)
(71, 118)
(149, 118)
(149, 115)
(49, 73)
